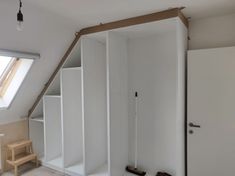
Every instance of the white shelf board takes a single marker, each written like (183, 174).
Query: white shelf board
(102, 171)
(72, 68)
(75, 170)
(37, 119)
(53, 96)
(56, 164)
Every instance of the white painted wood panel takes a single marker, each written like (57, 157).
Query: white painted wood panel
(71, 99)
(211, 100)
(118, 103)
(95, 119)
(182, 46)
(52, 127)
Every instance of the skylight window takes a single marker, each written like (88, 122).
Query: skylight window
(8, 68)
(13, 70)
(14, 66)
(4, 63)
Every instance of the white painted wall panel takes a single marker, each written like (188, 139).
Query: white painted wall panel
(212, 32)
(182, 47)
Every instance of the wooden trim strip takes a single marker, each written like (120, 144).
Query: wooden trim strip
(61, 63)
(171, 13)
(183, 18)
(136, 20)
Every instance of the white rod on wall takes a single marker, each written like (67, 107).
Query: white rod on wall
(19, 54)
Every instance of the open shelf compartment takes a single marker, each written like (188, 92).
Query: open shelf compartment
(53, 132)
(72, 120)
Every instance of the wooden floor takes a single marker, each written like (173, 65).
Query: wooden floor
(30, 170)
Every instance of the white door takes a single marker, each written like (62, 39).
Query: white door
(211, 105)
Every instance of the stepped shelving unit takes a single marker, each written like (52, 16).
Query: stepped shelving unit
(58, 117)
(84, 125)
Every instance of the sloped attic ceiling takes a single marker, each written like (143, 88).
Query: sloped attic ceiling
(89, 12)
(44, 33)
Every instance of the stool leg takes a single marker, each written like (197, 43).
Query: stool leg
(6, 158)
(13, 154)
(16, 170)
(36, 161)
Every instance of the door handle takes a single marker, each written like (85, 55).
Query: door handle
(194, 126)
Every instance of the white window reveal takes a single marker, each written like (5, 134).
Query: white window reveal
(14, 67)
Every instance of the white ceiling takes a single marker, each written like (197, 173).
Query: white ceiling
(90, 12)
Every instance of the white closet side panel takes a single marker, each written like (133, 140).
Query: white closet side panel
(118, 103)
(36, 134)
(72, 115)
(95, 119)
(182, 46)
(52, 127)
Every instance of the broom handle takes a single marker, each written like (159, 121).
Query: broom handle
(136, 129)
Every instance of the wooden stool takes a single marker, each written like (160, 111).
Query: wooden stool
(22, 158)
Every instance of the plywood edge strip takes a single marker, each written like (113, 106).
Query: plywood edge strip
(61, 63)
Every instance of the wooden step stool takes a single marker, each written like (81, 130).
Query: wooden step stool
(17, 158)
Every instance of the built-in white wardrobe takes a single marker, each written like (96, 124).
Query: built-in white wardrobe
(84, 126)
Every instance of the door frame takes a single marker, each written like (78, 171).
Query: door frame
(186, 119)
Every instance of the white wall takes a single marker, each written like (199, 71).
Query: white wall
(153, 66)
(44, 33)
(180, 103)
(212, 32)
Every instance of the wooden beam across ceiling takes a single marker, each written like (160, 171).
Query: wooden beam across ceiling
(171, 13)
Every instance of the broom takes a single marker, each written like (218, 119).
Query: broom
(134, 169)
